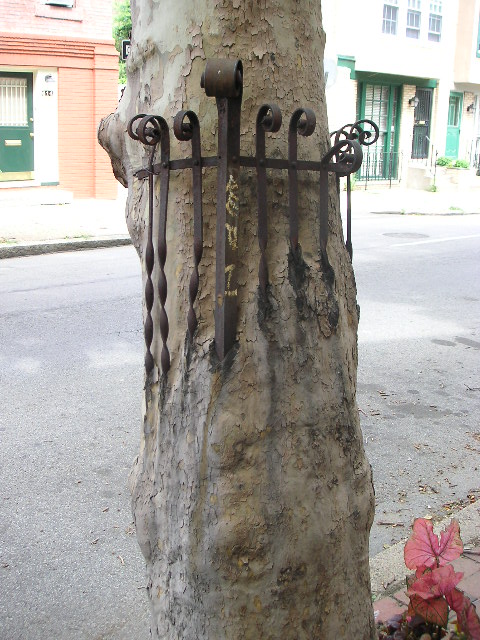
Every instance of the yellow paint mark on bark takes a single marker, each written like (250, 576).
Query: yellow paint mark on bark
(228, 285)
(213, 499)
(232, 209)
(231, 235)
(232, 198)
(257, 603)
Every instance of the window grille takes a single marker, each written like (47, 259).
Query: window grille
(13, 102)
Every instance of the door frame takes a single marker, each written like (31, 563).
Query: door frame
(390, 167)
(455, 94)
(28, 174)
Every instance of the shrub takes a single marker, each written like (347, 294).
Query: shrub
(432, 589)
(461, 164)
(442, 161)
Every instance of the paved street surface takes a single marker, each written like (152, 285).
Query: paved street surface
(71, 353)
(418, 280)
(70, 383)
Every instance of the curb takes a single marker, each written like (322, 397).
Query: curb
(414, 212)
(387, 568)
(48, 246)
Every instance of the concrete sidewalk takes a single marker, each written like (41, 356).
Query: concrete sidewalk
(402, 201)
(40, 220)
(34, 221)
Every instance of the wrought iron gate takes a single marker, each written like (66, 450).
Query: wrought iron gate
(421, 127)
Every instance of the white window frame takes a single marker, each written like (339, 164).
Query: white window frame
(413, 30)
(435, 35)
(390, 22)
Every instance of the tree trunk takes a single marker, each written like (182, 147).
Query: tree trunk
(252, 494)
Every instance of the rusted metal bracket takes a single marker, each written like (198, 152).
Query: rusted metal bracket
(223, 80)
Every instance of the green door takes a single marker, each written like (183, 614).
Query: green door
(16, 126)
(453, 125)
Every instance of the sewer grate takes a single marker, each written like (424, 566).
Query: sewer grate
(403, 234)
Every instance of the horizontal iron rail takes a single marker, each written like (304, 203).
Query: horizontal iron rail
(243, 161)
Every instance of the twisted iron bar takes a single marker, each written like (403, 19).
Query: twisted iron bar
(153, 131)
(151, 139)
(162, 239)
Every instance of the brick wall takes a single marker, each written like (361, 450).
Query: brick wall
(106, 93)
(87, 19)
(76, 128)
(406, 125)
(87, 91)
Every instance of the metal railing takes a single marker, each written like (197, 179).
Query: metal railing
(379, 165)
(223, 80)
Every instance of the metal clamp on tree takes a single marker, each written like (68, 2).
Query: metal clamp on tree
(223, 80)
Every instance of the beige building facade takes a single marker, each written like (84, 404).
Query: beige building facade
(413, 67)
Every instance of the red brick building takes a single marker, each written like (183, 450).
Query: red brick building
(58, 77)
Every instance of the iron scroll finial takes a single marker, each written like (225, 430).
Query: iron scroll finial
(356, 131)
(223, 80)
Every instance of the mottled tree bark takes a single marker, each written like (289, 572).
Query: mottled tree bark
(252, 494)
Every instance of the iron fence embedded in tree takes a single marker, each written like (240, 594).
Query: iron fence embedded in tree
(223, 79)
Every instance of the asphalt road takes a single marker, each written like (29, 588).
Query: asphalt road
(70, 383)
(418, 280)
(71, 357)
